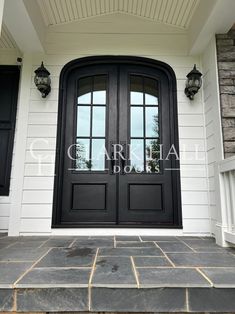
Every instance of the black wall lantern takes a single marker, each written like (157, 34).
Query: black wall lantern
(193, 83)
(42, 80)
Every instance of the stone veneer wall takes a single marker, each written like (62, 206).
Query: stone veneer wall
(226, 66)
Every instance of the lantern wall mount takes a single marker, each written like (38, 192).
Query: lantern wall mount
(42, 80)
(193, 83)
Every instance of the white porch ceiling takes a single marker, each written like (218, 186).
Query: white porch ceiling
(177, 13)
(6, 40)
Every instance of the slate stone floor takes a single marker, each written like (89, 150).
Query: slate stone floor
(116, 274)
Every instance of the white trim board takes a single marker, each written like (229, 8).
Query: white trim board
(117, 231)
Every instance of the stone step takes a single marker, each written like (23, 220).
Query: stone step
(116, 274)
(124, 300)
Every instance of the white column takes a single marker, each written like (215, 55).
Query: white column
(19, 23)
(20, 145)
(1, 13)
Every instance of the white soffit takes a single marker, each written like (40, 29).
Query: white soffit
(177, 13)
(6, 40)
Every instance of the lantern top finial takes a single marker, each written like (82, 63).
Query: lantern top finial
(194, 72)
(42, 71)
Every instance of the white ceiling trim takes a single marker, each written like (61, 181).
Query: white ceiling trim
(6, 40)
(177, 13)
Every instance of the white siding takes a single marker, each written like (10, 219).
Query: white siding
(42, 120)
(37, 188)
(213, 132)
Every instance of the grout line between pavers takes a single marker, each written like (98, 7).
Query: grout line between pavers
(204, 275)
(72, 243)
(135, 271)
(10, 245)
(44, 242)
(164, 254)
(182, 241)
(90, 279)
(14, 301)
(29, 269)
(187, 300)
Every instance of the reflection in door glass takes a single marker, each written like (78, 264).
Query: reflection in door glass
(98, 154)
(99, 93)
(91, 126)
(137, 95)
(84, 90)
(151, 122)
(83, 154)
(144, 124)
(137, 155)
(137, 129)
(98, 126)
(151, 91)
(83, 120)
(152, 155)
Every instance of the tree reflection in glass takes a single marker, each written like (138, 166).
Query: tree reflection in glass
(82, 155)
(152, 150)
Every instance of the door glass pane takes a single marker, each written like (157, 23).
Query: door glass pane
(83, 120)
(98, 125)
(84, 90)
(151, 121)
(151, 92)
(99, 93)
(144, 124)
(152, 155)
(137, 95)
(82, 154)
(137, 155)
(98, 154)
(137, 122)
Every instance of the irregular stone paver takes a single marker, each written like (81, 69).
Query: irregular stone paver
(153, 251)
(171, 277)
(174, 247)
(143, 261)
(52, 277)
(125, 278)
(202, 259)
(113, 272)
(221, 277)
(11, 271)
(68, 257)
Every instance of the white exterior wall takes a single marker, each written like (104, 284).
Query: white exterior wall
(36, 211)
(214, 141)
(31, 208)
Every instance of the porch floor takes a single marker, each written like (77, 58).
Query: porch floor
(116, 274)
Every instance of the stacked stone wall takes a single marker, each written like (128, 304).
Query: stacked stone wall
(226, 67)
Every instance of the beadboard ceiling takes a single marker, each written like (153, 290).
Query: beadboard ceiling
(177, 13)
(6, 40)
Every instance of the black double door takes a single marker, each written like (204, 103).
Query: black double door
(115, 139)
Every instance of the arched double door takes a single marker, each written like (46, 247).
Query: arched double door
(117, 129)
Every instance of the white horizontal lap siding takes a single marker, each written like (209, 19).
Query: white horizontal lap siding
(212, 128)
(39, 168)
(38, 185)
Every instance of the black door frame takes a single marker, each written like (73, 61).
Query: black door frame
(174, 138)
